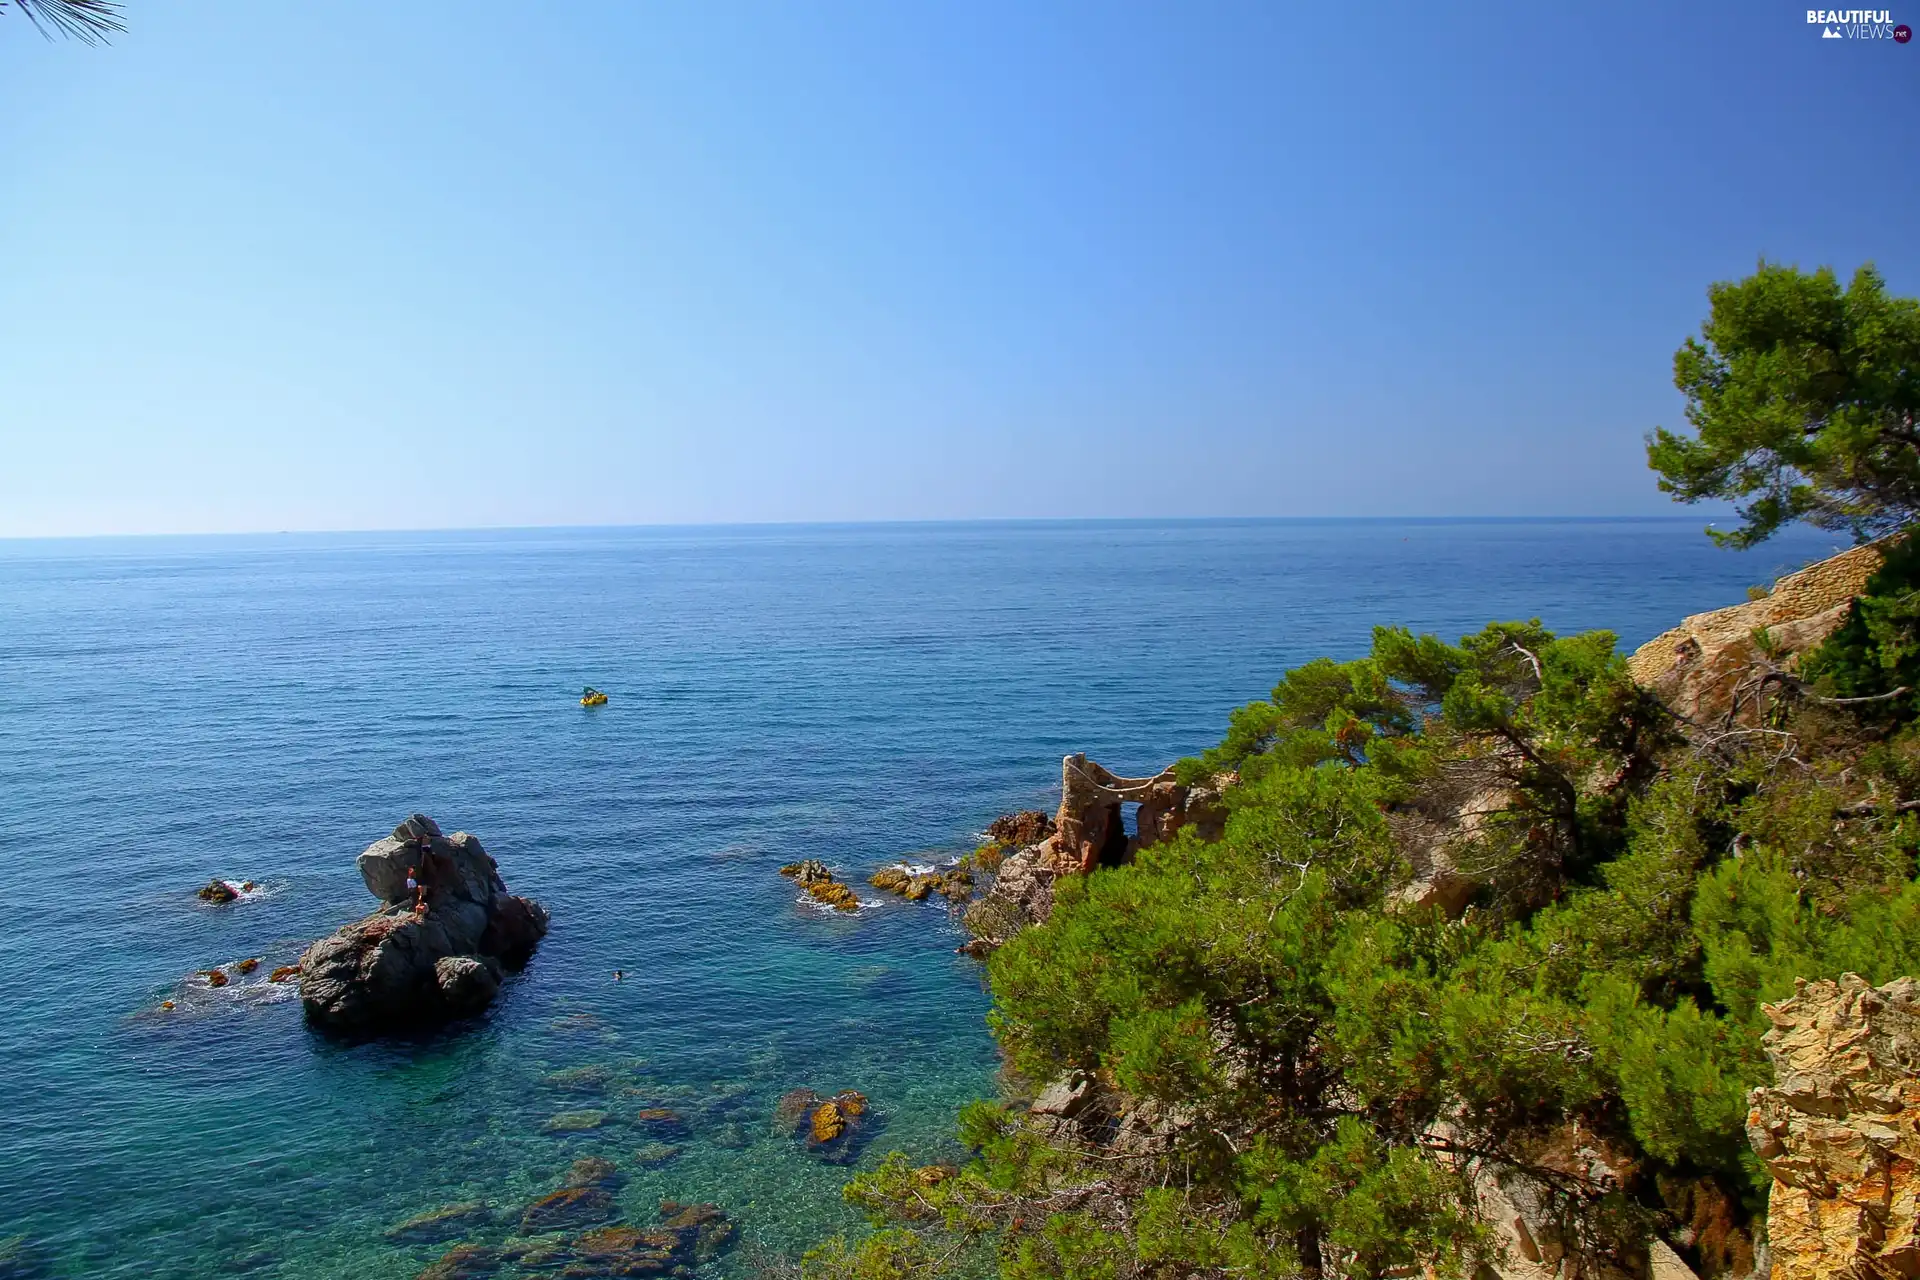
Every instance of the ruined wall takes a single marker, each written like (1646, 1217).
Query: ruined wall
(1090, 829)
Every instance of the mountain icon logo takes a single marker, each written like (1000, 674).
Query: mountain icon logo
(1828, 33)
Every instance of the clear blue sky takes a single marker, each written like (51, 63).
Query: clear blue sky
(348, 265)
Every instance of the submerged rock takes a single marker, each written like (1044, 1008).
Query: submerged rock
(655, 1153)
(832, 1128)
(21, 1259)
(593, 1171)
(621, 1251)
(703, 1229)
(661, 1122)
(399, 967)
(575, 1121)
(569, 1207)
(686, 1236)
(465, 1262)
(592, 1078)
(437, 1226)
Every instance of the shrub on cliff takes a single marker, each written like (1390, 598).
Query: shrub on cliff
(1876, 652)
(1330, 1066)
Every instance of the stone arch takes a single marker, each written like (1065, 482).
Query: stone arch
(1090, 830)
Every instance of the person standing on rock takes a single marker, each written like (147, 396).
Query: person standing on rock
(423, 875)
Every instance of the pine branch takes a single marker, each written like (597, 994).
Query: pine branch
(88, 21)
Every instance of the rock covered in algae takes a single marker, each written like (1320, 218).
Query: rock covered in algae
(813, 876)
(955, 883)
(655, 1153)
(662, 1122)
(830, 1127)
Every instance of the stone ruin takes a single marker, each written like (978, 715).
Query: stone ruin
(1090, 828)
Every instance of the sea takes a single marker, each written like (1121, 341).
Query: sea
(175, 710)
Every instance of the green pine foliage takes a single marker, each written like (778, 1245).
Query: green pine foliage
(1875, 651)
(1329, 1065)
(1803, 398)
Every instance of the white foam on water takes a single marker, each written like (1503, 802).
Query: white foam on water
(260, 890)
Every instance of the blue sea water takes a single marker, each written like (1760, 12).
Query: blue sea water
(177, 709)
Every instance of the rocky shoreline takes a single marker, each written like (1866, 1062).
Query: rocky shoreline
(1838, 1130)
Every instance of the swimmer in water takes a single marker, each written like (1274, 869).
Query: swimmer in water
(619, 975)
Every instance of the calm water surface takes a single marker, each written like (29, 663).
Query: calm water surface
(177, 709)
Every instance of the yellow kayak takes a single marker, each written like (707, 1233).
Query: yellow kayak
(593, 698)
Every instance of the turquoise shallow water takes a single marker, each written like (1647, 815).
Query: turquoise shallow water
(176, 709)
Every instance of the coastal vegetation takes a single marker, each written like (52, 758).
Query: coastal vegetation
(1486, 918)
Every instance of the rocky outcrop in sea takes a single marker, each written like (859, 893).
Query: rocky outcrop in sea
(424, 956)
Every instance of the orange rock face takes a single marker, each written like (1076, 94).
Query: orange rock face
(1840, 1131)
(813, 876)
(1709, 667)
(828, 1123)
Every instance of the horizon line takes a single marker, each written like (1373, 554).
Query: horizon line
(845, 524)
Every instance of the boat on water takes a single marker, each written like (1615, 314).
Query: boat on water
(592, 697)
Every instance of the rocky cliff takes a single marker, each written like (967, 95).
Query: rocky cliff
(401, 966)
(1840, 1131)
(1710, 668)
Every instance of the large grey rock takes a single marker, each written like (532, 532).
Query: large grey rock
(397, 968)
(467, 983)
(474, 877)
(1065, 1097)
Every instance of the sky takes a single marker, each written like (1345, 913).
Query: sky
(423, 265)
